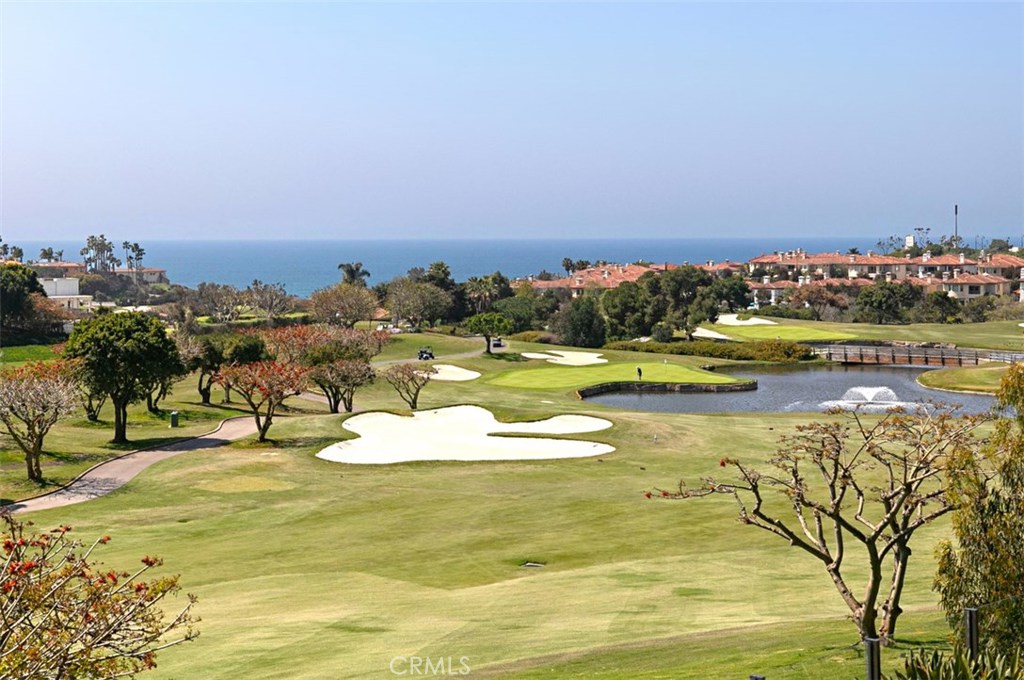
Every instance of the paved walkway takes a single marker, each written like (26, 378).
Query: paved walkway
(115, 473)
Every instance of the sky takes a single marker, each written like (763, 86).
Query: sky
(203, 120)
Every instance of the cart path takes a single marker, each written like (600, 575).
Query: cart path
(112, 474)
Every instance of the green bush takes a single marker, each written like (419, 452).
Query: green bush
(765, 350)
(535, 336)
(780, 312)
(956, 666)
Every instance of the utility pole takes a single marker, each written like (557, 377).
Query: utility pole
(956, 235)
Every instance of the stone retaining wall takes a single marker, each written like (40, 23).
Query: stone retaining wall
(604, 388)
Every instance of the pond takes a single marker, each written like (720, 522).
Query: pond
(805, 389)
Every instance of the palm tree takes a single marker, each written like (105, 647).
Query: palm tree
(567, 265)
(46, 254)
(481, 291)
(58, 255)
(353, 273)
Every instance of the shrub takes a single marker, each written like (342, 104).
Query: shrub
(780, 312)
(662, 332)
(542, 337)
(766, 350)
(936, 666)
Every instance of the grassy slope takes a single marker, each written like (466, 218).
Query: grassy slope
(289, 557)
(782, 332)
(406, 345)
(553, 376)
(984, 378)
(309, 569)
(1005, 335)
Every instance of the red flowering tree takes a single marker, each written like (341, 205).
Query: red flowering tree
(33, 398)
(339, 358)
(855, 489)
(264, 385)
(64, 615)
(408, 380)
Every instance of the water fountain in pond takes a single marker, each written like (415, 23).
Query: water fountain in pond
(871, 400)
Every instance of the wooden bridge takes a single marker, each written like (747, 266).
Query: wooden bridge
(899, 355)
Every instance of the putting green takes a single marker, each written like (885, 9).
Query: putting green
(562, 377)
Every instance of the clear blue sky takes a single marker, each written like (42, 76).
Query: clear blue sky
(323, 120)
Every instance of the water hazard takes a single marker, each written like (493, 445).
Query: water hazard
(806, 389)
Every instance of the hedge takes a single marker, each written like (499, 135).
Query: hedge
(765, 350)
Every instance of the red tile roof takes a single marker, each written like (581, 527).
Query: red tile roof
(607, 276)
(1002, 261)
(978, 279)
(941, 260)
(825, 259)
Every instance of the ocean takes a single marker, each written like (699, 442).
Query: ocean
(304, 266)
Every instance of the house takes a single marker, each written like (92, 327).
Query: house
(1001, 264)
(602, 277)
(965, 286)
(147, 275)
(58, 270)
(769, 292)
(722, 269)
(936, 265)
(64, 292)
(851, 265)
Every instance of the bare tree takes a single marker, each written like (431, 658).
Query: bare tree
(32, 399)
(408, 380)
(269, 298)
(343, 304)
(850, 486)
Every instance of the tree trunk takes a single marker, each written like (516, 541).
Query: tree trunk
(487, 338)
(120, 423)
(32, 468)
(227, 395)
(37, 454)
(263, 428)
(891, 610)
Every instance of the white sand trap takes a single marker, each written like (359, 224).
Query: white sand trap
(449, 373)
(734, 320)
(460, 433)
(709, 334)
(568, 358)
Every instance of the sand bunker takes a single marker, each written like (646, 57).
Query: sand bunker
(460, 433)
(709, 334)
(449, 373)
(734, 320)
(568, 358)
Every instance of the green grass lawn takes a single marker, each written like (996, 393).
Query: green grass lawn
(564, 377)
(406, 345)
(782, 332)
(1006, 335)
(985, 378)
(307, 569)
(23, 353)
